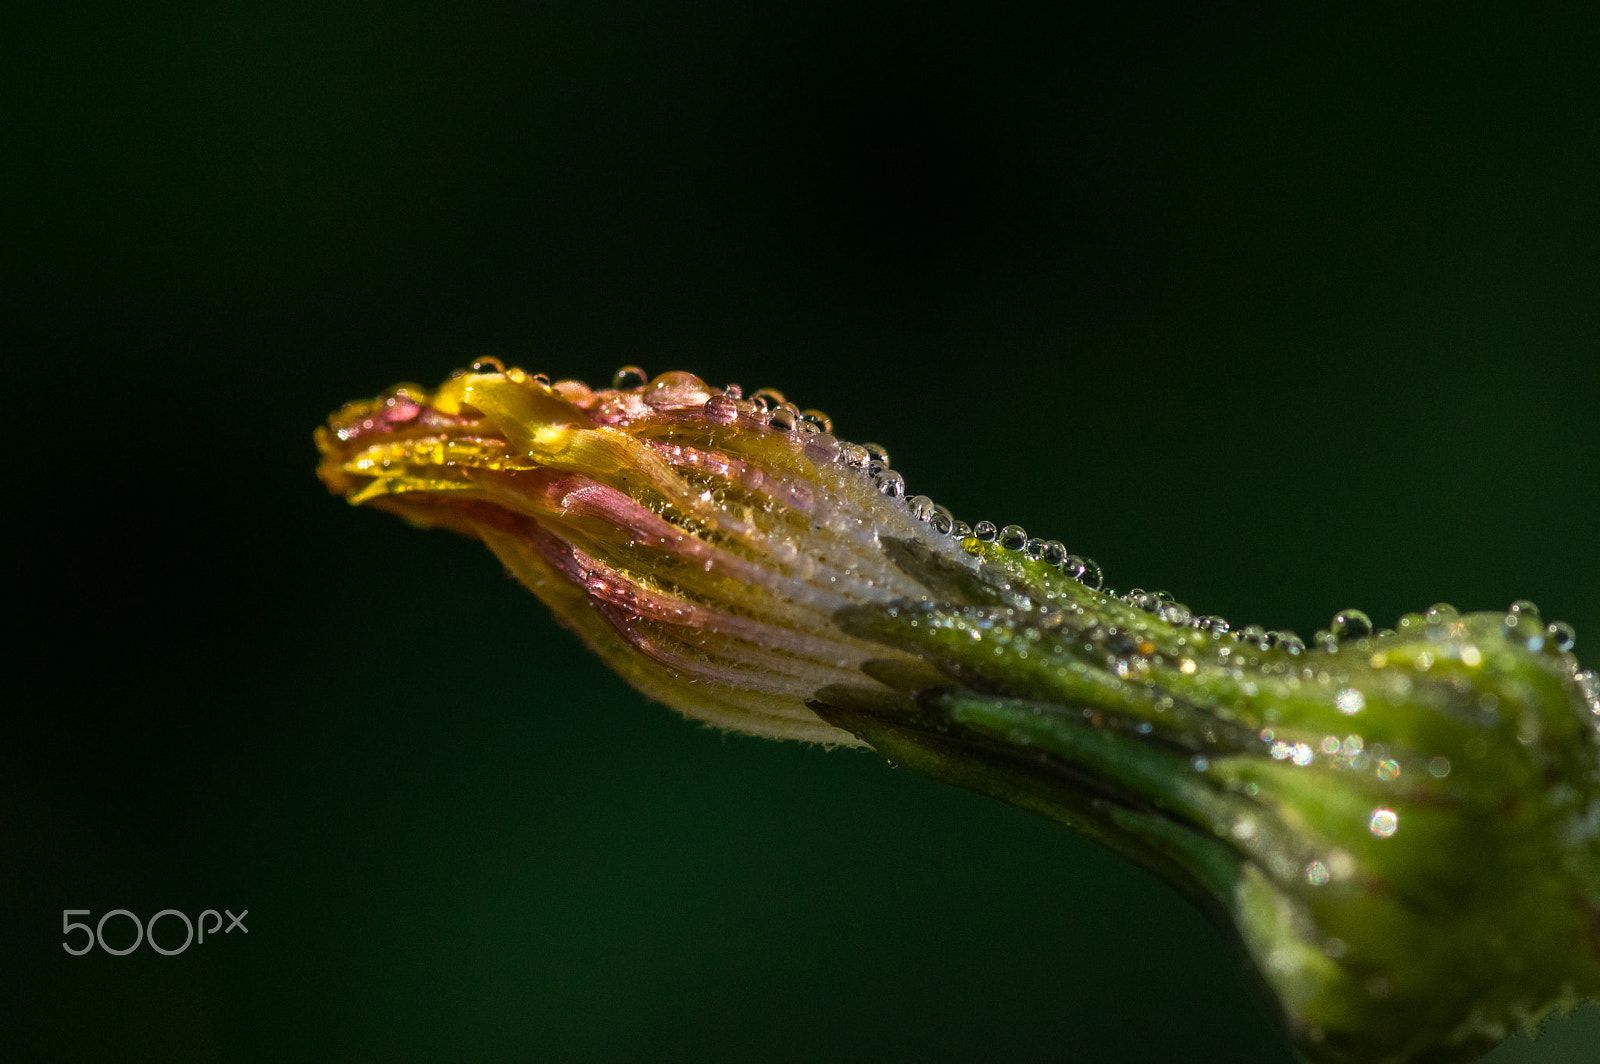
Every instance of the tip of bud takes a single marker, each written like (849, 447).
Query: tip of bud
(699, 541)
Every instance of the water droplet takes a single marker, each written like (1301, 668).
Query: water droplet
(853, 455)
(1093, 577)
(1013, 537)
(735, 391)
(768, 399)
(822, 421)
(823, 448)
(1562, 635)
(890, 483)
(985, 532)
(1055, 552)
(1140, 599)
(942, 521)
(488, 364)
(1351, 624)
(1440, 612)
(1523, 611)
(785, 418)
(541, 379)
(1290, 643)
(1383, 823)
(961, 530)
(1212, 623)
(1176, 613)
(629, 377)
(876, 454)
(1033, 548)
(1317, 874)
(671, 388)
(921, 507)
(721, 409)
(1253, 634)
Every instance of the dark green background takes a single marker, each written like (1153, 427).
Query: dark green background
(1283, 312)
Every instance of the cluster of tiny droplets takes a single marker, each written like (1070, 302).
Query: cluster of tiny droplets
(872, 461)
(1349, 627)
(1050, 551)
(1523, 623)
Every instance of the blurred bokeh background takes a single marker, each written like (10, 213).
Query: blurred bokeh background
(1285, 312)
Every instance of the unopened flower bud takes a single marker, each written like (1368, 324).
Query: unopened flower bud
(1402, 827)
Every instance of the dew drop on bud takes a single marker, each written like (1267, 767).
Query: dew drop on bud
(1562, 635)
(822, 448)
(629, 377)
(985, 532)
(768, 399)
(1350, 624)
(1013, 537)
(721, 409)
(822, 421)
(488, 364)
(1140, 599)
(1176, 613)
(1522, 611)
